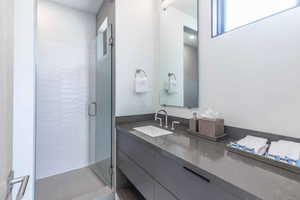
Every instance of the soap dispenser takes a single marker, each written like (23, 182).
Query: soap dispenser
(194, 123)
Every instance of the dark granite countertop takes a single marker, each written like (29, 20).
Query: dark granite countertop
(257, 178)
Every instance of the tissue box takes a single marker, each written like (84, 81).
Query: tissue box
(211, 127)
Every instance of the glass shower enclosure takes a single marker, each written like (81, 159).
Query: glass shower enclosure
(103, 104)
(74, 100)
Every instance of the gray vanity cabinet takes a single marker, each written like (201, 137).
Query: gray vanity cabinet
(187, 183)
(162, 194)
(140, 152)
(137, 176)
(159, 177)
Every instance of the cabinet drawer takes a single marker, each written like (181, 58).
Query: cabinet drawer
(142, 181)
(187, 184)
(162, 194)
(138, 151)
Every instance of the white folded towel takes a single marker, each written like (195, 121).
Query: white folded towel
(257, 143)
(141, 85)
(284, 148)
(171, 86)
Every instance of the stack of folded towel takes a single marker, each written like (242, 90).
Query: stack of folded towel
(285, 151)
(252, 144)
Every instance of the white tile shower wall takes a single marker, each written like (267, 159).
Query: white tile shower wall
(65, 41)
(251, 75)
(136, 47)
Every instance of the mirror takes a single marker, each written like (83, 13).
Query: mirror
(179, 73)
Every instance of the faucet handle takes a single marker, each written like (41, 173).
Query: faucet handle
(160, 121)
(173, 125)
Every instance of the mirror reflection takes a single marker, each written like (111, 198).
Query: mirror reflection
(179, 53)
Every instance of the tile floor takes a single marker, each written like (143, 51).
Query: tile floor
(81, 184)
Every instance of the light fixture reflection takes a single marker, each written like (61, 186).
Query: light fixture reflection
(192, 37)
(166, 3)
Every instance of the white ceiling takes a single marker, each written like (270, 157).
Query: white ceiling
(187, 6)
(91, 6)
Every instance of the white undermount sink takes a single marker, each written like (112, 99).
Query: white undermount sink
(153, 131)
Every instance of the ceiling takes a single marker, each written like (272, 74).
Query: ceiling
(91, 6)
(187, 6)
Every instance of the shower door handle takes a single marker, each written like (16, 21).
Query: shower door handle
(92, 110)
(11, 181)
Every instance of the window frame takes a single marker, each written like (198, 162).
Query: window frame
(218, 19)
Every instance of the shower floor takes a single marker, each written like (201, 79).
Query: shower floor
(81, 184)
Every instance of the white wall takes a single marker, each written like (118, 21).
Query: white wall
(65, 41)
(172, 23)
(6, 106)
(251, 75)
(24, 93)
(136, 47)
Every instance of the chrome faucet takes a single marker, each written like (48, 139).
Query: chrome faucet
(166, 117)
(173, 125)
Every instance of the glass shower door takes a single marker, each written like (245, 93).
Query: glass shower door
(103, 133)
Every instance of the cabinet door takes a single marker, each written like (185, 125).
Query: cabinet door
(187, 184)
(139, 151)
(137, 176)
(162, 194)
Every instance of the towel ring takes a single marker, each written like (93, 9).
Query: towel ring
(171, 75)
(138, 71)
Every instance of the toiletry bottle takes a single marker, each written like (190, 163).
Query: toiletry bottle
(194, 123)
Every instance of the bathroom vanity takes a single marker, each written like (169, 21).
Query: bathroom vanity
(180, 166)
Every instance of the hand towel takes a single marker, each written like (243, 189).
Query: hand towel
(141, 85)
(285, 149)
(171, 86)
(259, 145)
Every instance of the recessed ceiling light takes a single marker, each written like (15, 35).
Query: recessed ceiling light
(166, 3)
(192, 37)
